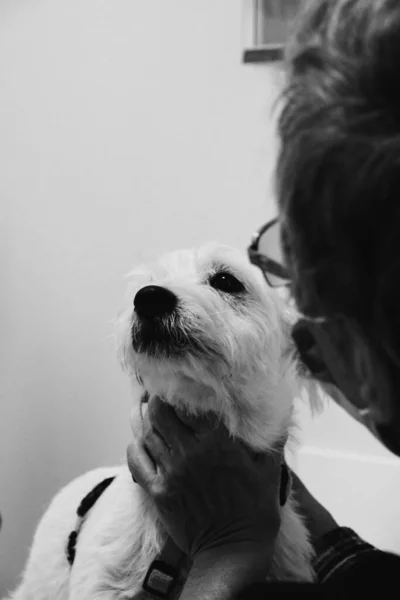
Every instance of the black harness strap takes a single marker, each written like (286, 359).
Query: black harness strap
(166, 574)
(82, 510)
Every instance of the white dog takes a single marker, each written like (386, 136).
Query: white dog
(202, 330)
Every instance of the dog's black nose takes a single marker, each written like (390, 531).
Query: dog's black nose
(154, 301)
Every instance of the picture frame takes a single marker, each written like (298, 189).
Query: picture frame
(266, 25)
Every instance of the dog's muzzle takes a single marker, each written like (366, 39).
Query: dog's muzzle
(154, 324)
(160, 330)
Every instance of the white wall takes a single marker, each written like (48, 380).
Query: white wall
(127, 128)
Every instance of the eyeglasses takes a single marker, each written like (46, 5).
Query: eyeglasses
(265, 252)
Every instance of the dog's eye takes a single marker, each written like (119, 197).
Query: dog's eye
(225, 282)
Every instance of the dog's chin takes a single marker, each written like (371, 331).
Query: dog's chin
(158, 339)
(155, 339)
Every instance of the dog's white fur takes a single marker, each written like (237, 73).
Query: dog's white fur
(243, 367)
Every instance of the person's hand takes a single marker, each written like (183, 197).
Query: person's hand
(318, 520)
(210, 490)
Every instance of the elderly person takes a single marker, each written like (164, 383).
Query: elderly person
(338, 188)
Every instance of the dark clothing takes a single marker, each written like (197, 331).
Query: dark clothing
(342, 556)
(345, 567)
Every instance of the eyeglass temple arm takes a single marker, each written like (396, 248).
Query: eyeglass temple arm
(268, 265)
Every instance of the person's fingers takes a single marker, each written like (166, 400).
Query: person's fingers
(155, 444)
(273, 457)
(164, 419)
(136, 420)
(203, 424)
(138, 410)
(141, 466)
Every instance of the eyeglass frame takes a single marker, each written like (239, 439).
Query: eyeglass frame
(263, 262)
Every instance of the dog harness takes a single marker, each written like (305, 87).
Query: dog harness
(166, 574)
(82, 510)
